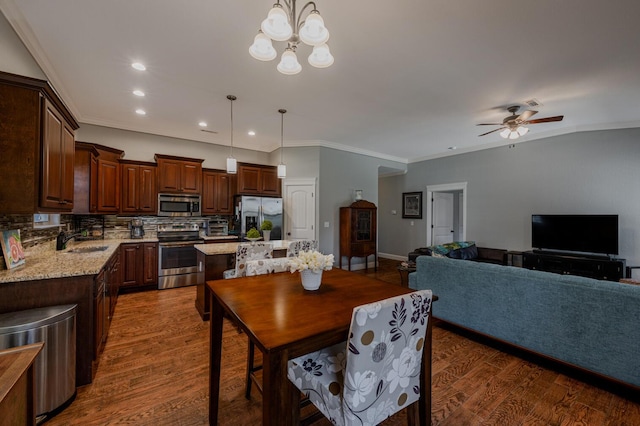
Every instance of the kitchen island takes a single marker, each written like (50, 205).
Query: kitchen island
(213, 260)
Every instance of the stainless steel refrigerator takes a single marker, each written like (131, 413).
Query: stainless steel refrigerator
(251, 211)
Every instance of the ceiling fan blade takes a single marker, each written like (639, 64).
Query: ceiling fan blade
(492, 131)
(489, 124)
(545, 120)
(526, 115)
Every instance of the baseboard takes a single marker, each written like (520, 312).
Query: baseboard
(392, 256)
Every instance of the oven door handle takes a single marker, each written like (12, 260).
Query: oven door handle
(181, 244)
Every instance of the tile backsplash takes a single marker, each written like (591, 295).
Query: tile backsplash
(30, 237)
(115, 227)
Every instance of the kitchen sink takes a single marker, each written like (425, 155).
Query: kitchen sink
(88, 249)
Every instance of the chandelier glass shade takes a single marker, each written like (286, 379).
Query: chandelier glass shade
(283, 23)
(514, 133)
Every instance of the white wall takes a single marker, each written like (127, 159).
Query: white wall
(14, 56)
(580, 173)
(143, 146)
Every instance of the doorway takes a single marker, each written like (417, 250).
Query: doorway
(446, 213)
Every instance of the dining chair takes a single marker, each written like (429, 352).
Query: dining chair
(267, 266)
(297, 246)
(376, 372)
(245, 252)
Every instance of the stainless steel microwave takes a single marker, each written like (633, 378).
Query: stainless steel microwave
(178, 205)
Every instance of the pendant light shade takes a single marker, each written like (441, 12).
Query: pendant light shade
(282, 171)
(282, 168)
(232, 164)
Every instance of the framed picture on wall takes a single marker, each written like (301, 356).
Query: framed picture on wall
(412, 205)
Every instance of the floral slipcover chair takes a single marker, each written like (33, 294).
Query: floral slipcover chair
(244, 252)
(267, 266)
(297, 246)
(376, 373)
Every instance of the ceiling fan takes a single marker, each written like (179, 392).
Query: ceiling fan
(513, 125)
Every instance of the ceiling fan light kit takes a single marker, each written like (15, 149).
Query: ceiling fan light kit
(284, 24)
(513, 126)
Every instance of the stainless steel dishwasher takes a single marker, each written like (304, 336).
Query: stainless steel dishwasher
(55, 381)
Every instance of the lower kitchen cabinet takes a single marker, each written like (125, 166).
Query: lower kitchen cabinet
(105, 296)
(139, 266)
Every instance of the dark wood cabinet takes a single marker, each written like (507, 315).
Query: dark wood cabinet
(139, 189)
(139, 265)
(179, 174)
(108, 186)
(36, 139)
(601, 269)
(217, 192)
(97, 183)
(255, 179)
(106, 286)
(150, 262)
(99, 321)
(58, 152)
(358, 232)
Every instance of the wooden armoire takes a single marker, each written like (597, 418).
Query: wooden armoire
(358, 236)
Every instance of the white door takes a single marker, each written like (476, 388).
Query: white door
(442, 218)
(300, 209)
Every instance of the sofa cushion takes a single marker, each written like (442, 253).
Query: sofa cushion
(464, 253)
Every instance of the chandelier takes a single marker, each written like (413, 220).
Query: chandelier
(283, 23)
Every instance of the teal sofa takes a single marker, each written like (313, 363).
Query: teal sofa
(590, 324)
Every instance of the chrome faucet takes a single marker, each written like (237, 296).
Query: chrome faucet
(62, 239)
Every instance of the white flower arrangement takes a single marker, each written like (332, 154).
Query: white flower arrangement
(312, 260)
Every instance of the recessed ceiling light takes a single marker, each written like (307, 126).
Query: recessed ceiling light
(251, 133)
(202, 124)
(139, 66)
(141, 112)
(138, 92)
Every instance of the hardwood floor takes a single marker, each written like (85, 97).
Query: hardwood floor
(154, 371)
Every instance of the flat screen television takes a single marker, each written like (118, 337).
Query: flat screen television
(575, 233)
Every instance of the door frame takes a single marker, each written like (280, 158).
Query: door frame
(296, 182)
(447, 187)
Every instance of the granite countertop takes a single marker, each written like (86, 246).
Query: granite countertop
(44, 262)
(230, 248)
(221, 238)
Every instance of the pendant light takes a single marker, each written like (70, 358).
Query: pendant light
(282, 168)
(232, 164)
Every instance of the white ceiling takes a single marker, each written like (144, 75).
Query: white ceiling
(411, 77)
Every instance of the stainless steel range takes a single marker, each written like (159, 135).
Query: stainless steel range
(177, 258)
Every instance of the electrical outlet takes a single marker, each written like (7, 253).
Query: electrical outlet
(394, 212)
(326, 224)
(411, 223)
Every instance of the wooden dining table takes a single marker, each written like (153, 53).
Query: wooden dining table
(285, 321)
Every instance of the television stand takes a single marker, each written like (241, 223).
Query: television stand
(576, 255)
(598, 267)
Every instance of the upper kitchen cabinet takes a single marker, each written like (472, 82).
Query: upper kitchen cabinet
(179, 175)
(37, 144)
(97, 183)
(255, 179)
(217, 192)
(139, 187)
